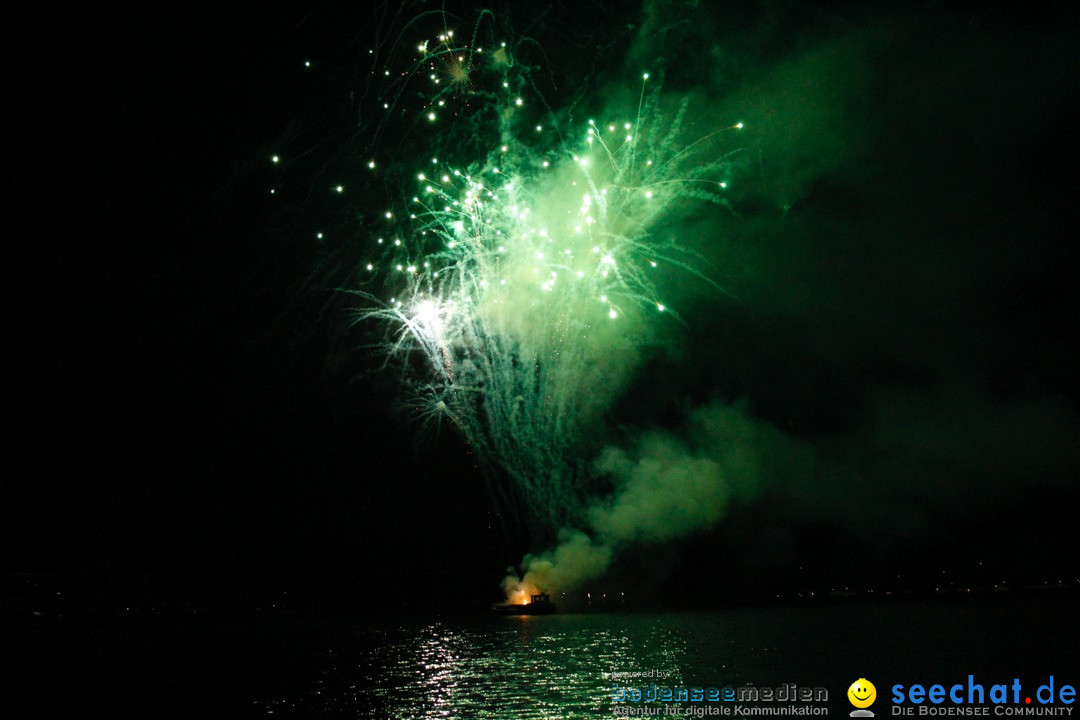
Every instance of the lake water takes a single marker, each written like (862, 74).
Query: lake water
(560, 666)
(565, 666)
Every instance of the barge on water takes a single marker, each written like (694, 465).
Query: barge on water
(538, 605)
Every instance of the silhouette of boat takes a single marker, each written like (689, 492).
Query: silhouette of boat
(538, 605)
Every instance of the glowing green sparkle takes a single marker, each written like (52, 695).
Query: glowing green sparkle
(520, 281)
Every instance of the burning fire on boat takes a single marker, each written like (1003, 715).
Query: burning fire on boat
(537, 604)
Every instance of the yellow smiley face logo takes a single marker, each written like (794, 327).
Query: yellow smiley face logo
(862, 693)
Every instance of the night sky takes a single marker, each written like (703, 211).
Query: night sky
(191, 415)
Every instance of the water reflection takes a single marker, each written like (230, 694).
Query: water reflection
(564, 666)
(512, 667)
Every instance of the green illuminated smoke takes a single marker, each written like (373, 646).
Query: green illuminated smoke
(666, 486)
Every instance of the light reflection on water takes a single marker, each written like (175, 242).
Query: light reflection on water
(515, 667)
(561, 666)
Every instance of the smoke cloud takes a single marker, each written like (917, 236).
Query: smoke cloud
(666, 486)
(899, 322)
(951, 451)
